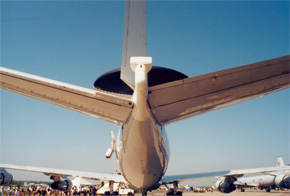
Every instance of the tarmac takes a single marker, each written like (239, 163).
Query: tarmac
(235, 193)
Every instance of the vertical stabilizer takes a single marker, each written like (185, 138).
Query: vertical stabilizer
(280, 162)
(134, 40)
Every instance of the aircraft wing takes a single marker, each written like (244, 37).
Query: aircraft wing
(192, 177)
(232, 173)
(245, 184)
(107, 106)
(62, 172)
(185, 98)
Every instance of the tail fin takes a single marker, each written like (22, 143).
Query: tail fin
(280, 162)
(134, 39)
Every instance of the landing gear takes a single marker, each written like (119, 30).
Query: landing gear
(174, 190)
(144, 193)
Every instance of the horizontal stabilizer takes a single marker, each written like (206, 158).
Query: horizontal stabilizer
(111, 107)
(174, 101)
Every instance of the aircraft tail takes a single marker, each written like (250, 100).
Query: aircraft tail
(134, 38)
(280, 162)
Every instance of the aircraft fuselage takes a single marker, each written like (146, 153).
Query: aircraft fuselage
(142, 153)
(142, 150)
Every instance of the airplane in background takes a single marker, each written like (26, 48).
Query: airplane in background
(143, 99)
(269, 181)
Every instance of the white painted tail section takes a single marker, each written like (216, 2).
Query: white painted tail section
(280, 162)
(134, 40)
(141, 66)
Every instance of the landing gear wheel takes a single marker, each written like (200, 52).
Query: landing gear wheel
(172, 193)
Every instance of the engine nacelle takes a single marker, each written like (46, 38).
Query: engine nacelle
(282, 181)
(224, 186)
(64, 185)
(5, 177)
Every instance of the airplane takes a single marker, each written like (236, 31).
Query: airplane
(142, 99)
(268, 182)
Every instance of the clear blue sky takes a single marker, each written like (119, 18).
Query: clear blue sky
(75, 42)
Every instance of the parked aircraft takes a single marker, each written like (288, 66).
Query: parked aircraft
(269, 181)
(142, 99)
